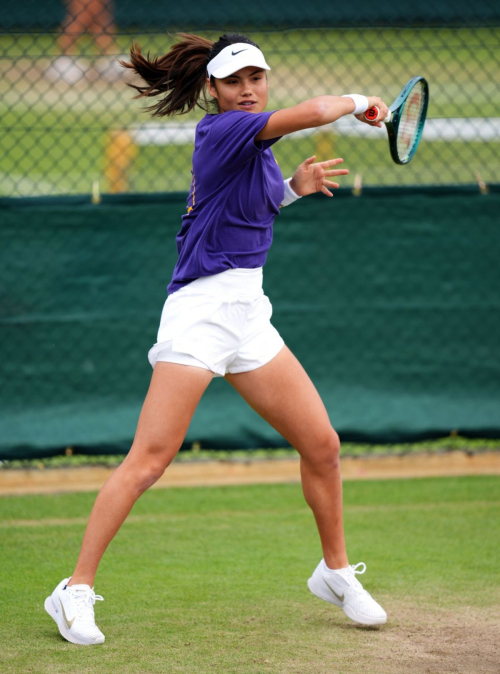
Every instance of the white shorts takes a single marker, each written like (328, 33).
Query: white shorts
(220, 323)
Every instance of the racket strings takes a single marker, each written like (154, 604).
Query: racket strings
(410, 121)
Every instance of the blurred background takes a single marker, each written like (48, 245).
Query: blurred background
(67, 118)
(388, 294)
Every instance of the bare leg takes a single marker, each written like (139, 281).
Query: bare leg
(282, 393)
(173, 395)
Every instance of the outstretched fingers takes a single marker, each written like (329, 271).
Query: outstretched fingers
(325, 165)
(330, 162)
(312, 176)
(337, 172)
(309, 160)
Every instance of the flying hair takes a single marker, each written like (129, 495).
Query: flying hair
(179, 76)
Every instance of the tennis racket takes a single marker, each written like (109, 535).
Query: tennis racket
(406, 119)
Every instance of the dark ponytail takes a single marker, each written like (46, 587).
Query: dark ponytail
(180, 74)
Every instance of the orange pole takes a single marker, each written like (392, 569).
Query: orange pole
(119, 154)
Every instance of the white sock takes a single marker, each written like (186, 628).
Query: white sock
(328, 570)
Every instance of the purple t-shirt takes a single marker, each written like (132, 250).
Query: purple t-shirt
(236, 191)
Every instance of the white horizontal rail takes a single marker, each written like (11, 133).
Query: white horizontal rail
(479, 129)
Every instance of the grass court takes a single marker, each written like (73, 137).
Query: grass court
(214, 580)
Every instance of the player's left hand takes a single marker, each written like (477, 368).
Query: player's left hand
(310, 177)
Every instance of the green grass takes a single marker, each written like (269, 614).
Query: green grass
(54, 136)
(213, 579)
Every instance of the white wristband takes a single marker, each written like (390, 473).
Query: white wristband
(290, 195)
(361, 103)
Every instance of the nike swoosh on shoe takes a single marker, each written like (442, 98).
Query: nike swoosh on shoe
(340, 597)
(69, 623)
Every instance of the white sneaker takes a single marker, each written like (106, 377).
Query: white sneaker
(343, 589)
(73, 610)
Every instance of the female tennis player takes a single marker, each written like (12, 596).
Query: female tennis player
(216, 319)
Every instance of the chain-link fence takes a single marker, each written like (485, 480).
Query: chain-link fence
(69, 124)
(391, 300)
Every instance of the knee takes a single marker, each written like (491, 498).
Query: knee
(325, 454)
(329, 449)
(148, 475)
(144, 470)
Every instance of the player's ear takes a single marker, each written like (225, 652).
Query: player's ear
(212, 90)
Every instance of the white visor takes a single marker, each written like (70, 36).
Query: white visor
(235, 57)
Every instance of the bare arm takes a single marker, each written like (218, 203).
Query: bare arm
(312, 113)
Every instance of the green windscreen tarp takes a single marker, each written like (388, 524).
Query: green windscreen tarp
(390, 300)
(154, 15)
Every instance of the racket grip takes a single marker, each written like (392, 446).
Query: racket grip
(372, 115)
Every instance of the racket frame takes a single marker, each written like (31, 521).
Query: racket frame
(392, 122)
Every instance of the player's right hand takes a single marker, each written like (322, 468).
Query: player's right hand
(379, 103)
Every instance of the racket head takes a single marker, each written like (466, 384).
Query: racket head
(408, 114)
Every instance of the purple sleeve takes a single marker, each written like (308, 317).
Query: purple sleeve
(232, 136)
